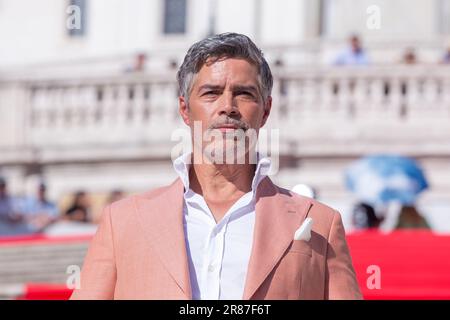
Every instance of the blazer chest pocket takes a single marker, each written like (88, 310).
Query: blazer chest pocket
(301, 246)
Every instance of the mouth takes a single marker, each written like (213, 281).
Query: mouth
(228, 127)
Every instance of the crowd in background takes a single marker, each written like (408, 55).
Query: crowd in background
(356, 54)
(32, 214)
(365, 216)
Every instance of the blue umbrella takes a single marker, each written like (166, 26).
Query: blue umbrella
(384, 178)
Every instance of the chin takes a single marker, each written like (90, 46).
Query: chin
(231, 154)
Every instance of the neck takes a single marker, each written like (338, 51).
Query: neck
(221, 181)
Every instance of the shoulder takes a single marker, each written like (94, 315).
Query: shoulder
(126, 207)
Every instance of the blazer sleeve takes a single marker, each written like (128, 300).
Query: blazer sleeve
(340, 279)
(98, 276)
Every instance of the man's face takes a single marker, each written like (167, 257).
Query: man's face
(356, 45)
(41, 192)
(85, 201)
(226, 96)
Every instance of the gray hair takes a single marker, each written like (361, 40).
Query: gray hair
(224, 45)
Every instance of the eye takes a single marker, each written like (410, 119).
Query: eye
(210, 93)
(246, 94)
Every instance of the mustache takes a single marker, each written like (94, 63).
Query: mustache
(229, 121)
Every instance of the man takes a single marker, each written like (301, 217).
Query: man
(221, 230)
(5, 201)
(446, 57)
(354, 55)
(40, 212)
(79, 210)
(11, 215)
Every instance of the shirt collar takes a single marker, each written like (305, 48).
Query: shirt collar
(182, 165)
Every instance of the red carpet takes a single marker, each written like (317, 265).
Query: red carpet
(413, 264)
(46, 292)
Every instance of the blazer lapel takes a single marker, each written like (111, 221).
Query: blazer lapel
(276, 220)
(162, 219)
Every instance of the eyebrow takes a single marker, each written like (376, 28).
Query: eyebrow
(245, 88)
(210, 87)
(233, 88)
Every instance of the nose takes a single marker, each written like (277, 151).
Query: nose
(228, 106)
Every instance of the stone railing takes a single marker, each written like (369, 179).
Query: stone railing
(366, 104)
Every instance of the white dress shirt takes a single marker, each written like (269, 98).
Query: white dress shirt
(218, 253)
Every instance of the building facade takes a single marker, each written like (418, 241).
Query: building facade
(75, 110)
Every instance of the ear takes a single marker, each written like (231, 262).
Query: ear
(183, 109)
(267, 108)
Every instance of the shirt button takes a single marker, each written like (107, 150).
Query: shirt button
(211, 268)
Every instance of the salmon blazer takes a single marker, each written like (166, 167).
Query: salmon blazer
(139, 250)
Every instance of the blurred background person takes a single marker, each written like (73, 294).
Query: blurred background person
(446, 58)
(5, 202)
(410, 218)
(139, 63)
(354, 54)
(40, 212)
(79, 210)
(409, 56)
(365, 217)
(11, 214)
(114, 196)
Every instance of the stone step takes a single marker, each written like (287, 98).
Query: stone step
(48, 263)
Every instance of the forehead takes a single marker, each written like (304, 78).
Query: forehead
(233, 70)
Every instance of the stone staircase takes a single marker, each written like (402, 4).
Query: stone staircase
(46, 262)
